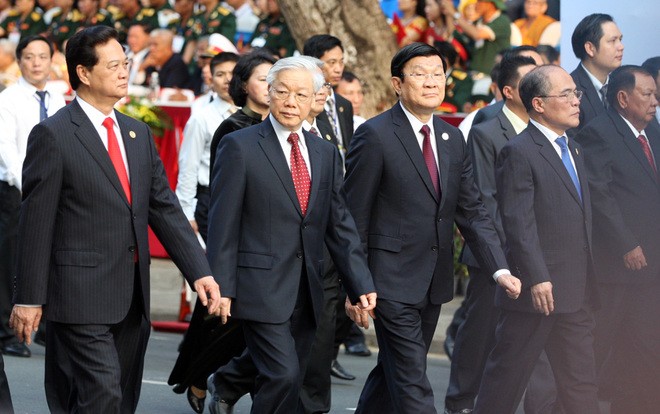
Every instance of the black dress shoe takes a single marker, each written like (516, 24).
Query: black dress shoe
(40, 338)
(337, 371)
(216, 404)
(195, 402)
(16, 349)
(359, 349)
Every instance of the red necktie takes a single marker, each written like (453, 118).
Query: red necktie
(429, 158)
(299, 173)
(647, 151)
(115, 157)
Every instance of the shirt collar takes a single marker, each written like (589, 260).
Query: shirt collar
(597, 84)
(97, 117)
(549, 134)
(283, 133)
(415, 123)
(518, 124)
(632, 128)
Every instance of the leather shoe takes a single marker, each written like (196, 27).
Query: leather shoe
(16, 349)
(216, 404)
(359, 349)
(195, 402)
(337, 371)
(463, 411)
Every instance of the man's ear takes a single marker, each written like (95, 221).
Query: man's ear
(538, 104)
(396, 84)
(83, 73)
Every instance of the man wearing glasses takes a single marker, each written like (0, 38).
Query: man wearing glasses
(408, 179)
(545, 206)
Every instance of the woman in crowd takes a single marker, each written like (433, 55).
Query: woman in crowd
(411, 25)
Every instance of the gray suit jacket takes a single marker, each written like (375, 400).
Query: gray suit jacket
(78, 235)
(547, 228)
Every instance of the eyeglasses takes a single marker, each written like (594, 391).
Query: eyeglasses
(327, 85)
(421, 77)
(282, 95)
(566, 97)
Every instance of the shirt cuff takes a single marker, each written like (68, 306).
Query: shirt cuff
(28, 306)
(500, 273)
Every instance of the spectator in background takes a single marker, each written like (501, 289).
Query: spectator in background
(458, 87)
(92, 14)
(158, 14)
(246, 21)
(58, 31)
(214, 17)
(272, 32)
(9, 69)
(124, 13)
(411, 26)
(549, 54)
(350, 87)
(184, 29)
(138, 40)
(24, 19)
(652, 65)
(172, 71)
(533, 26)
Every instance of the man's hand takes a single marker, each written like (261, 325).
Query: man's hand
(635, 259)
(542, 298)
(225, 309)
(25, 320)
(209, 293)
(511, 284)
(360, 313)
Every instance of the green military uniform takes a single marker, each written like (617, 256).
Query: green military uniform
(458, 90)
(273, 34)
(121, 22)
(32, 24)
(220, 20)
(64, 26)
(163, 17)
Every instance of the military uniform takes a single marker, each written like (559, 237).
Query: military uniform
(220, 20)
(273, 34)
(458, 90)
(63, 26)
(15, 27)
(121, 22)
(163, 17)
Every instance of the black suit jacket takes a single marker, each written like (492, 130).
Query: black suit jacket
(485, 143)
(259, 240)
(547, 228)
(590, 105)
(325, 128)
(79, 236)
(406, 227)
(487, 112)
(625, 195)
(345, 114)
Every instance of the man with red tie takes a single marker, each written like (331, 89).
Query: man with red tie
(92, 183)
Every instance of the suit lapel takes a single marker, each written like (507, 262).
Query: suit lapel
(315, 164)
(325, 129)
(443, 152)
(630, 140)
(90, 139)
(590, 93)
(273, 150)
(408, 138)
(508, 131)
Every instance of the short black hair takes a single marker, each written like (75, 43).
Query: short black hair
(652, 65)
(242, 72)
(317, 45)
(549, 52)
(448, 52)
(590, 29)
(535, 83)
(348, 76)
(29, 39)
(81, 49)
(509, 66)
(223, 57)
(623, 79)
(409, 52)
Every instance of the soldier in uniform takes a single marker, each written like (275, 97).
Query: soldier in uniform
(159, 14)
(124, 13)
(458, 87)
(215, 18)
(23, 20)
(272, 32)
(92, 14)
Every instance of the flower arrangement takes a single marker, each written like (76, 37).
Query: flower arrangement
(144, 110)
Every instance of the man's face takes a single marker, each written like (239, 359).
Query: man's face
(24, 6)
(318, 103)
(333, 66)
(609, 53)
(291, 96)
(640, 103)
(353, 92)
(513, 92)
(421, 89)
(137, 39)
(87, 7)
(35, 63)
(561, 109)
(222, 74)
(108, 79)
(184, 7)
(160, 49)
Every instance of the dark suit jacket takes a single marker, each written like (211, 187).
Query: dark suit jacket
(173, 74)
(78, 236)
(547, 228)
(325, 128)
(485, 143)
(259, 240)
(590, 105)
(625, 195)
(345, 115)
(406, 227)
(487, 112)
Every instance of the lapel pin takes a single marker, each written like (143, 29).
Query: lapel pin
(328, 137)
(131, 134)
(445, 136)
(341, 109)
(577, 152)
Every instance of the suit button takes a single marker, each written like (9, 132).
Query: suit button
(134, 216)
(439, 220)
(131, 249)
(586, 248)
(299, 255)
(304, 226)
(434, 248)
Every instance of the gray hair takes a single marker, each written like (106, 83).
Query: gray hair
(307, 63)
(535, 83)
(8, 47)
(162, 33)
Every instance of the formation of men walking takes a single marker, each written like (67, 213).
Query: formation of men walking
(555, 195)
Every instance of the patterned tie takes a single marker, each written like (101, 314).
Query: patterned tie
(429, 158)
(566, 159)
(43, 112)
(116, 159)
(330, 109)
(647, 151)
(603, 96)
(299, 173)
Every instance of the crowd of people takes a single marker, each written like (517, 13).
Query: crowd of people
(317, 221)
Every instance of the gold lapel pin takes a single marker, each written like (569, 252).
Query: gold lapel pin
(445, 136)
(341, 109)
(328, 137)
(131, 134)
(577, 152)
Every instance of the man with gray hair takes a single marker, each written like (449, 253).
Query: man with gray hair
(276, 199)
(173, 72)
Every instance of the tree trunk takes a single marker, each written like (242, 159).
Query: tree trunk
(368, 41)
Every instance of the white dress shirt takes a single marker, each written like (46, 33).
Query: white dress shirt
(598, 85)
(637, 133)
(283, 135)
(19, 112)
(552, 137)
(195, 152)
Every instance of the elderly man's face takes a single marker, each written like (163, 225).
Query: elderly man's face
(291, 96)
(640, 103)
(560, 107)
(108, 79)
(160, 49)
(421, 88)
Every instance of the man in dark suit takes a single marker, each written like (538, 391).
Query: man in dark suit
(596, 41)
(622, 151)
(408, 179)
(83, 254)
(266, 245)
(544, 204)
(476, 334)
